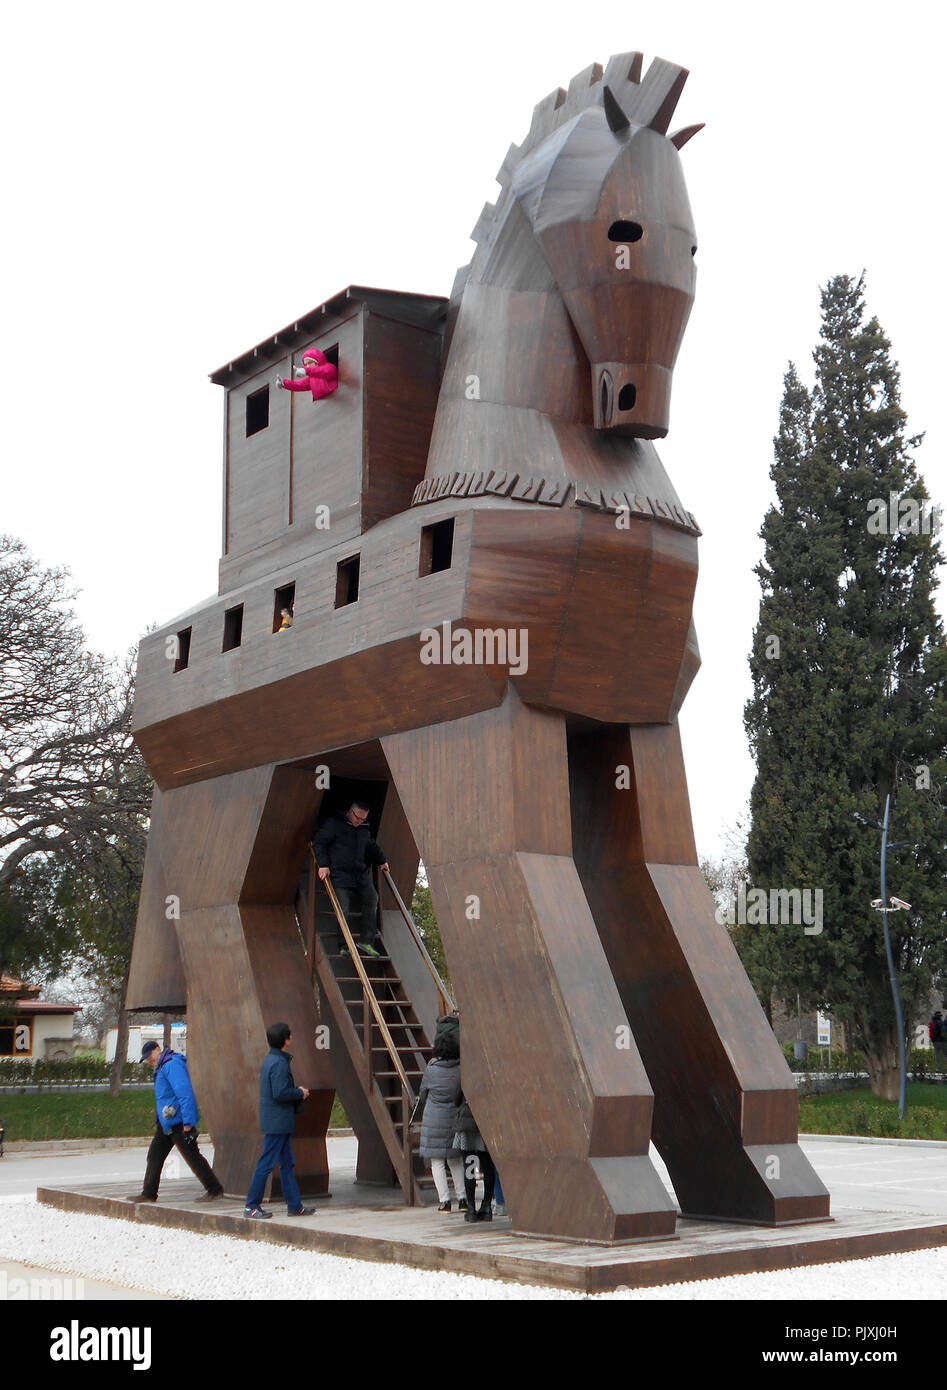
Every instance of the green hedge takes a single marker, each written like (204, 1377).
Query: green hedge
(65, 1073)
(921, 1062)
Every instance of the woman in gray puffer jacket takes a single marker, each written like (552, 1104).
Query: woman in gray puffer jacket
(440, 1091)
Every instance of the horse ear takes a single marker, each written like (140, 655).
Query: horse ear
(680, 137)
(617, 120)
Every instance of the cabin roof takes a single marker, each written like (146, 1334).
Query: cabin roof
(37, 1006)
(425, 310)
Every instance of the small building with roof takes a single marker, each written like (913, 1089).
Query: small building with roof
(32, 1030)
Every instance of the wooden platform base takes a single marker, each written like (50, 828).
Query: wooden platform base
(369, 1225)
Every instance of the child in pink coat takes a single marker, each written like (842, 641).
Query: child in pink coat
(322, 377)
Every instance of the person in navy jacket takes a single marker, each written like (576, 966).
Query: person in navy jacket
(280, 1098)
(176, 1114)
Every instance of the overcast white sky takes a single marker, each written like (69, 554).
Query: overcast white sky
(183, 179)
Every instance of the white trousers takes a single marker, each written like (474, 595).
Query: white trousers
(439, 1174)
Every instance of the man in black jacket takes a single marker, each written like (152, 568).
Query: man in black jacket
(344, 847)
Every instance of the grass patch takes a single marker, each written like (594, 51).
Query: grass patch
(90, 1115)
(78, 1115)
(860, 1112)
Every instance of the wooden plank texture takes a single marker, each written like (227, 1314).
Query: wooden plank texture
(483, 692)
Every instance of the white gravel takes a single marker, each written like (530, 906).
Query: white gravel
(184, 1264)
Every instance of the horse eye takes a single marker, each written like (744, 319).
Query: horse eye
(625, 231)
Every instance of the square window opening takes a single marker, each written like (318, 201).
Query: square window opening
(437, 545)
(184, 650)
(258, 411)
(284, 600)
(346, 582)
(233, 628)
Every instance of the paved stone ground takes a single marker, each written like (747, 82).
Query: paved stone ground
(883, 1176)
(874, 1176)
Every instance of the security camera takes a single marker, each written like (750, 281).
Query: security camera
(899, 902)
(877, 904)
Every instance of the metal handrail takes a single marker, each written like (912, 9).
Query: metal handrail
(446, 1000)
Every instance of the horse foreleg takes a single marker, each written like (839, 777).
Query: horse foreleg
(548, 1062)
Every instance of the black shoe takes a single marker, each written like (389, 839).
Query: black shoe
(210, 1196)
(444, 1206)
(141, 1198)
(485, 1213)
(303, 1211)
(462, 1204)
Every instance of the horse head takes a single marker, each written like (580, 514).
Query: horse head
(602, 186)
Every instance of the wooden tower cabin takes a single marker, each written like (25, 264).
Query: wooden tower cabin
(460, 587)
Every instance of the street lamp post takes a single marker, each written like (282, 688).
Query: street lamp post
(884, 908)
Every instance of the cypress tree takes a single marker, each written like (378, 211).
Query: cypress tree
(849, 703)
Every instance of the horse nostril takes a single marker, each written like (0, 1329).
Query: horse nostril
(606, 396)
(627, 397)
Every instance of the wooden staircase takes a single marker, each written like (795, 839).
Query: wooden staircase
(380, 1030)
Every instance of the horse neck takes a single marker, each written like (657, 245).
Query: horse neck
(514, 356)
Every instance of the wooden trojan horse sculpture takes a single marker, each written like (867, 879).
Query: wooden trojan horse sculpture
(497, 647)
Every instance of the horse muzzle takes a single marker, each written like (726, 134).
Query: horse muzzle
(631, 398)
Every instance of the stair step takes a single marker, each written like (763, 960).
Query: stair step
(372, 980)
(376, 962)
(380, 989)
(385, 1003)
(400, 1025)
(402, 1059)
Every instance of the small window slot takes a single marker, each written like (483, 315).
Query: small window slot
(346, 582)
(184, 649)
(233, 628)
(437, 545)
(258, 411)
(283, 602)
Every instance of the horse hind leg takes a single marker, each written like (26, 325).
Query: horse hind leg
(725, 1112)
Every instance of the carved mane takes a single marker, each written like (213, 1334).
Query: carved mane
(629, 101)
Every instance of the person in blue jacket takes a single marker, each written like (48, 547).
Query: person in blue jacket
(176, 1112)
(280, 1098)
